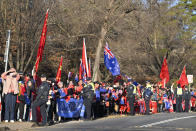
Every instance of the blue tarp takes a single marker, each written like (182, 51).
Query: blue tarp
(72, 109)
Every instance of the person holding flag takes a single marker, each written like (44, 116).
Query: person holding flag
(40, 101)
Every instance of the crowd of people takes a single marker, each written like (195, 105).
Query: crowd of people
(28, 98)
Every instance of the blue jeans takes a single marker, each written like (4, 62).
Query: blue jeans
(10, 101)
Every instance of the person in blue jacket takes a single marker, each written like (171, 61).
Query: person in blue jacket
(147, 96)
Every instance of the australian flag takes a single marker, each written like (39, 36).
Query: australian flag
(110, 61)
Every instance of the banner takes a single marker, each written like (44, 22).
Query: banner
(70, 109)
(190, 78)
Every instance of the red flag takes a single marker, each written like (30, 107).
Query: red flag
(37, 64)
(80, 70)
(84, 58)
(58, 75)
(42, 42)
(183, 78)
(164, 75)
(89, 68)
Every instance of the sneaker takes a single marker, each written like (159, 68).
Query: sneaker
(20, 120)
(6, 121)
(12, 121)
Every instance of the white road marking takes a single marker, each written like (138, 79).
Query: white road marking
(165, 121)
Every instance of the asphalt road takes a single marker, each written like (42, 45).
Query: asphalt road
(162, 122)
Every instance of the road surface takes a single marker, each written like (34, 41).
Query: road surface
(161, 121)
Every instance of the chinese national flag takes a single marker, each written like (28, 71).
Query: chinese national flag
(42, 42)
(58, 76)
(183, 78)
(164, 75)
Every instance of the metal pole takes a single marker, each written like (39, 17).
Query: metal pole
(7, 49)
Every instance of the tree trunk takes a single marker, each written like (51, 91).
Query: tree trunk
(98, 54)
(103, 32)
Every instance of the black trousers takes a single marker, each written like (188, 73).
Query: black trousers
(147, 102)
(19, 107)
(131, 104)
(88, 106)
(186, 105)
(52, 111)
(179, 104)
(96, 109)
(27, 112)
(2, 108)
(42, 105)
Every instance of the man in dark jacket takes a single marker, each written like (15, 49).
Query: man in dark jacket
(131, 92)
(186, 98)
(41, 99)
(88, 95)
